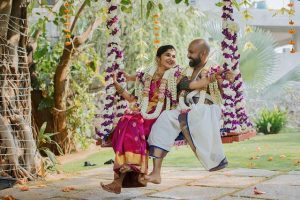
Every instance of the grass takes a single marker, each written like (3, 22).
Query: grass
(272, 152)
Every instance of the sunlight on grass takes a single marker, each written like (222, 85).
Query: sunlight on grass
(273, 152)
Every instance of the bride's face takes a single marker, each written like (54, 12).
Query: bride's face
(168, 59)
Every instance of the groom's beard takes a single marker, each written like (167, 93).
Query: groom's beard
(194, 62)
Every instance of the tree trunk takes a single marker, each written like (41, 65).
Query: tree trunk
(18, 154)
(61, 86)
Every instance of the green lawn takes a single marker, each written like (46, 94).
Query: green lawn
(273, 152)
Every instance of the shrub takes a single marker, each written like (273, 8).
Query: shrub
(271, 121)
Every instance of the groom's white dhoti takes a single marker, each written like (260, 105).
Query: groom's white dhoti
(203, 125)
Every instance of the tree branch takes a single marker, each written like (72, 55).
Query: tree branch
(78, 40)
(77, 15)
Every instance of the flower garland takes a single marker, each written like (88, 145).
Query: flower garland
(235, 117)
(67, 31)
(213, 88)
(292, 30)
(114, 63)
(156, 30)
(167, 90)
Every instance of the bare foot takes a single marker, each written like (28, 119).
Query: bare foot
(112, 187)
(142, 180)
(125, 168)
(152, 178)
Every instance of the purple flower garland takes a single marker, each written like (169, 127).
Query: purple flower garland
(115, 105)
(235, 117)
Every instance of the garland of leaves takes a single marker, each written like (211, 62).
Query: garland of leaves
(235, 117)
(113, 101)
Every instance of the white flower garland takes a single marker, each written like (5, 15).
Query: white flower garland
(182, 104)
(169, 80)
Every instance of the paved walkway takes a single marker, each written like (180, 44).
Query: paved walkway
(178, 183)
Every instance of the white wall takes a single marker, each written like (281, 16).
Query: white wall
(286, 62)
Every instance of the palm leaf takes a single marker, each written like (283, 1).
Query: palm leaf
(257, 65)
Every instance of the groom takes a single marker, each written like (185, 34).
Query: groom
(200, 124)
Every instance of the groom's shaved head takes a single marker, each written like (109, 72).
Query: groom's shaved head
(198, 52)
(201, 45)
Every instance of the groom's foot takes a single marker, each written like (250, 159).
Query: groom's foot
(153, 178)
(222, 165)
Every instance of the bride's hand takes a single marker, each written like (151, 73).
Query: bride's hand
(229, 76)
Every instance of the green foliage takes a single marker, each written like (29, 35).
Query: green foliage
(82, 73)
(271, 121)
(42, 141)
(179, 25)
(82, 109)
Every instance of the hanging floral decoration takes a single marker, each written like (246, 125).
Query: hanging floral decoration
(236, 119)
(292, 30)
(67, 31)
(115, 105)
(248, 29)
(156, 30)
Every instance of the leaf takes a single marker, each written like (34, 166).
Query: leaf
(88, 2)
(282, 156)
(150, 6)
(24, 188)
(258, 192)
(235, 4)
(60, 151)
(177, 1)
(126, 9)
(220, 4)
(68, 189)
(126, 2)
(50, 155)
(160, 6)
(270, 158)
(43, 128)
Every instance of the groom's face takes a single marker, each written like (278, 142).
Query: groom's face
(194, 55)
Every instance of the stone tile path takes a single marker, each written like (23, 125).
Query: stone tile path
(178, 183)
